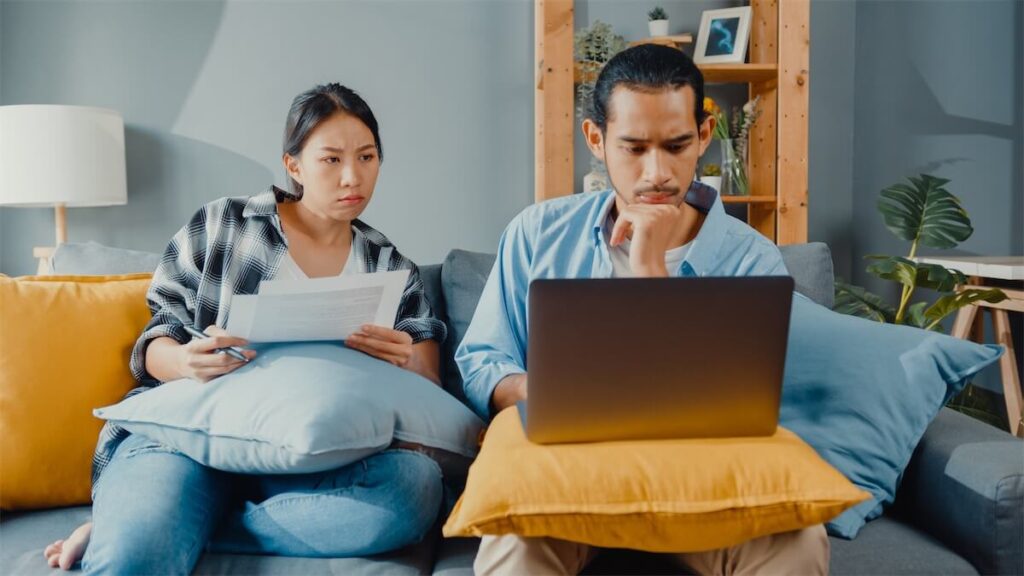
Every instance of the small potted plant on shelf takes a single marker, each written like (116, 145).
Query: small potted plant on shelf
(657, 22)
(711, 175)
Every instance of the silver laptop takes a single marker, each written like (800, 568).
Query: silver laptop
(645, 358)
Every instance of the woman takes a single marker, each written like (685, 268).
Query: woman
(155, 510)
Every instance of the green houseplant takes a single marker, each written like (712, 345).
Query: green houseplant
(593, 47)
(923, 213)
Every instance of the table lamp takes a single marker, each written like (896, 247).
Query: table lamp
(61, 156)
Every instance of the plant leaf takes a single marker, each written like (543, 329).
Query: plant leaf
(940, 278)
(952, 302)
(925, 212)
(915, 315)
(894, 268)
(856, 301)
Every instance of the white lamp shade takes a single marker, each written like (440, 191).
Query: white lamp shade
(71, 155)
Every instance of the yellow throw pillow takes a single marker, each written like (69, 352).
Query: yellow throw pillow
(657, 495)
(65, 342)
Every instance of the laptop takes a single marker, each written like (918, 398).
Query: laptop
(650, 358)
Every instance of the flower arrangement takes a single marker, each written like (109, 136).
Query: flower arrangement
(735, 136)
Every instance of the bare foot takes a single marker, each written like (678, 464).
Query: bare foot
(65, 553)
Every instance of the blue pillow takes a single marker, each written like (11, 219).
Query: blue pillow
(862, 393)
(297, 408)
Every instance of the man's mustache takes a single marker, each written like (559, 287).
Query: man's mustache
(657, 190)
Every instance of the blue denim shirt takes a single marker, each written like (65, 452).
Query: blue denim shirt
(563, 238)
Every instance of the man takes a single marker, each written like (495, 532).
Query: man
(648, 126)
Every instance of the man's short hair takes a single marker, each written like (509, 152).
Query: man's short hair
(647, 68)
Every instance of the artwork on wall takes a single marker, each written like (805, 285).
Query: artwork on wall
(723, 36)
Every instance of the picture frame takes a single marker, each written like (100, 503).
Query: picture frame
(723, 36)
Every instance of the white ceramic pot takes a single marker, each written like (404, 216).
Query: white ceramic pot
(713, 181)
(657, 27)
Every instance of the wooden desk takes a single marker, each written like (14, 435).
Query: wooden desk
(969, 324)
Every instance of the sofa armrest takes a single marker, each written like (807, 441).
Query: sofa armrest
(965, 486)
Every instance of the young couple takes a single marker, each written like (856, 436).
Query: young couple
(156, 511)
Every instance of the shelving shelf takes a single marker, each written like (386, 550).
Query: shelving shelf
(738, 73)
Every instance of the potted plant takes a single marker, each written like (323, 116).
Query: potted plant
(923, 213)
(711, 175)
(657, 22)
(593, 47)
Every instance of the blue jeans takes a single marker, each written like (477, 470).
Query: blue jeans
(156, 510)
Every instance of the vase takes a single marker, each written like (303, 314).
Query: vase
(734, 170)
(595, 181)
(657, 28)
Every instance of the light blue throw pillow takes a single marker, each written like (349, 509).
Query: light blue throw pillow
(862, 393)
(298, 408)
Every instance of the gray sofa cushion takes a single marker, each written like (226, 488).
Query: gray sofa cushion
(889, 546)
(810, 265)
(92, 258)
(24, 535)
(965, 485)
(463, 276)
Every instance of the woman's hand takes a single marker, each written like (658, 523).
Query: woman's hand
(389, 345)
(396, 347)
(199, 360)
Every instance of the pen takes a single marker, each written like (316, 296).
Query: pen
(233, 351)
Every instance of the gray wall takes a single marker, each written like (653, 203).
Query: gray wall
(938, 90)
(897, 87)
(204, 87)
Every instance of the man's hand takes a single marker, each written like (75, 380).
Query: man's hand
(510, 390)
(652, 230)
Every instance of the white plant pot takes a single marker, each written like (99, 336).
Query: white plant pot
(713, 181)
(657, 27)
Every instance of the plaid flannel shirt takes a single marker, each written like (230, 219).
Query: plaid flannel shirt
(228, 247)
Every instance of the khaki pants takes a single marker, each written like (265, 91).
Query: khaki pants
(799, 553)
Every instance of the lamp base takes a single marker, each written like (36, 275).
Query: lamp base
(44, 254)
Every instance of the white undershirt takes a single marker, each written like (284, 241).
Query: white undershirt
(290, 270)
(620, 255)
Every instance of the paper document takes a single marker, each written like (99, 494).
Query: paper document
(317, 308)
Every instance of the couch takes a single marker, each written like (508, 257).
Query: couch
(959, 510)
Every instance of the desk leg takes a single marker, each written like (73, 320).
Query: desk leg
(1008, 369)
(964, 320)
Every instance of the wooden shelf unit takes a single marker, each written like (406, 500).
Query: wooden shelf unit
(778, 71)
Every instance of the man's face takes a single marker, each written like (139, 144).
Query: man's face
(651, 144)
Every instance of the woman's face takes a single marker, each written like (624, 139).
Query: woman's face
(337, 167)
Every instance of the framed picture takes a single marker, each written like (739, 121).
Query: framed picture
(723, 36)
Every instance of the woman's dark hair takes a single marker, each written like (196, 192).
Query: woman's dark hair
(314, 106)
(647, 68)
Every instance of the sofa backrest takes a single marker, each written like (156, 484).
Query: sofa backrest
(453, 287)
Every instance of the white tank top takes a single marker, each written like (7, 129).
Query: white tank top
(290, 270)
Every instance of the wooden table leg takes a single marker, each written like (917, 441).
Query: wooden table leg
(964, 321)
(1008, 370)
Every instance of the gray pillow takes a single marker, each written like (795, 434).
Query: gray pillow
(463, 276)
(92, 258)
(302, 407)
